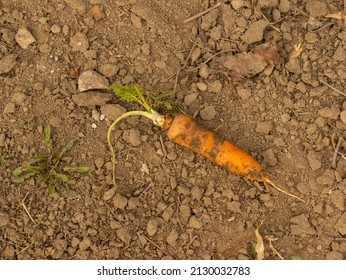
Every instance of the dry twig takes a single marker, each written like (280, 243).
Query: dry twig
(333, 88)
(202, 13)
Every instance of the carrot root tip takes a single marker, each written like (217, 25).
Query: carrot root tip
(282, 190)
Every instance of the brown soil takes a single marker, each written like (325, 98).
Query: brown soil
(173, 204)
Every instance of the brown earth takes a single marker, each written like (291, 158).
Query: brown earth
(170, 203)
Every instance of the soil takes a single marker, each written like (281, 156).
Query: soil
(170, 203)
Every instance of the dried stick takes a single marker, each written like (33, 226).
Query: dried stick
(333, 88)
(27, 212)
(336, 152)
(202, 13)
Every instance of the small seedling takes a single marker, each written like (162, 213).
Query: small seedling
(3, 157)
(49, 167)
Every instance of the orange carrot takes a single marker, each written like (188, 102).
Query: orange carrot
(186, 132)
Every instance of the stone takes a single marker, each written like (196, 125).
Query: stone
(112, 111)
(195, 223)
(7, 63)
(293, 66)
(85, 243)
(109, 194)
(270, 158)
(314, 160)
(264, 127)
(132, 136)
(108, 69)
(124, 235)
(329, 112)
(316, 8)
(343, 116)
(24, 38)
(244, 93)
(215, 87)
(340, 225)
(152, 226)
(120, 201)
(91, 80)
(255, 32)
(79, 42)
(91, 99)
(190, 98)
(201, 86)
(77, 5)
(208, 113)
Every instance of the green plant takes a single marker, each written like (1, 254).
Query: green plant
(49, 167)
(3, 157)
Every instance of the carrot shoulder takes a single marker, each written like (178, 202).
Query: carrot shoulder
(186, 132)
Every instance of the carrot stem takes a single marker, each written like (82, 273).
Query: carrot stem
(153, 115)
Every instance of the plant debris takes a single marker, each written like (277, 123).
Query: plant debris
(244, 65)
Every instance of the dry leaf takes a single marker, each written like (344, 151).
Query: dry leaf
(259, 245)
(243, 65)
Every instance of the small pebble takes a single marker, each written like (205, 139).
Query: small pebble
(202, 86)
(285, 118)
(24, 38)
(215, 87)
(208, 113)
(91, 80)
(55, 29)
(343, 116)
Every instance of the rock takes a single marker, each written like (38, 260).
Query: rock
(85, 243)
(91, 80)
(314, 160)
(136, 21)
(24, 38)
(152, 226)
(79, 42)
(108, 69)
(4, 219)
(237, 4)
(285, 118)
(60, 245)
(343, 116)
(77, 5)
(112, 111)
(269, 157)
(132, 136)
(120, 201)
(264, 127)
(124, 235)
(255, 32)
(267, 3)
(99, 162)
(327, 178)
(7, 63)
(301, 225)
(293, 66)
(91, 99)
(334, 255)
(340, 226)
(284, 6)
(316, 8)
(9, 108)
(172, 238)
(215, 87)
(195, 223)
(208, 113)
(204, 71)
(244, 93)
(109, 194)
(18, 98)
(202, 86)
(190, 98)
(332, 112)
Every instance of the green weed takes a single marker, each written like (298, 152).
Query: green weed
(49, 167)
(4, 155)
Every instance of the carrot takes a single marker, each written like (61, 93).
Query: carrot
(186, 132)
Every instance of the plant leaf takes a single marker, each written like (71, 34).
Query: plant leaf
(68, 146)
(17, 172)
(78, 169)
(48, 136)
(51, 188)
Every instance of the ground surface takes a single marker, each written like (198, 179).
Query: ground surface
(169, 202)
